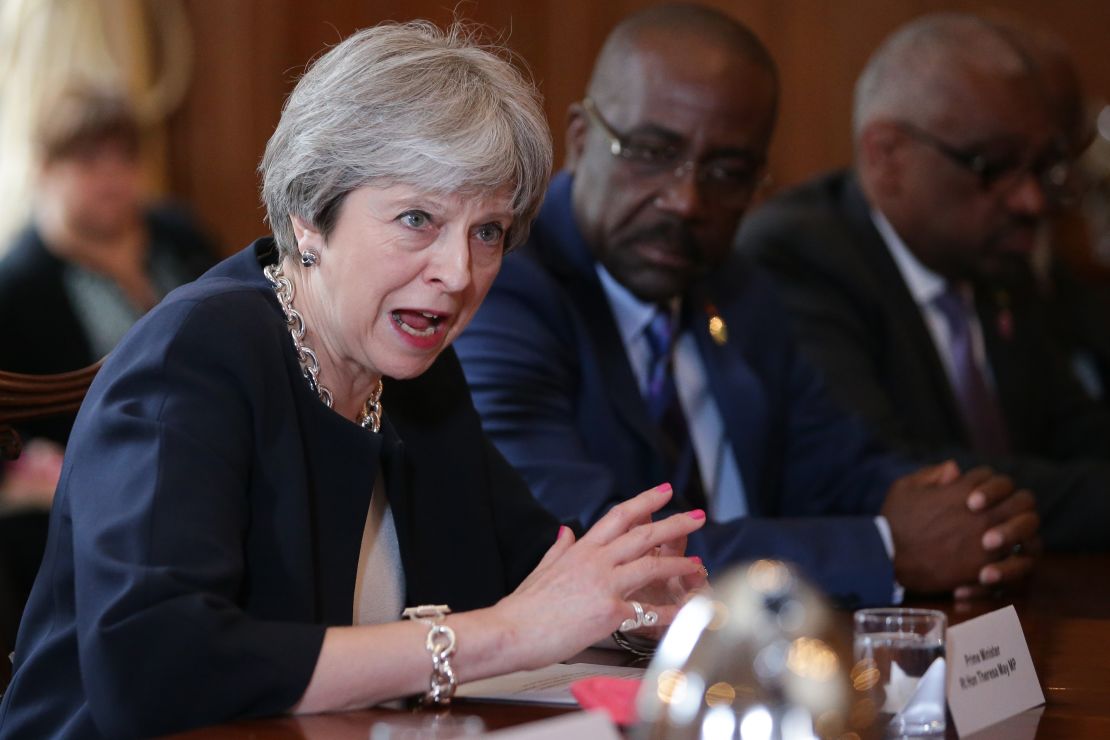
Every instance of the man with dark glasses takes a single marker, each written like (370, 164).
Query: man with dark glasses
(908, 278)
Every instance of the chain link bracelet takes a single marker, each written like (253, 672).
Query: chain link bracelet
(440, 643)
(641, 648)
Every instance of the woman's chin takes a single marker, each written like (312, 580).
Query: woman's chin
(409, 368)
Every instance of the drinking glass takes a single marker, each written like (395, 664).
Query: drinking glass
(900, 665)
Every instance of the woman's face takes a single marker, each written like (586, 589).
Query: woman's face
(399, 277)
(97, 190)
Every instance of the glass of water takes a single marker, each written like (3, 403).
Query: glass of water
(900, 666)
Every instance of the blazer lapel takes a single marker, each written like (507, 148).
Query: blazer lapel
(340, 503)
(437, 474)
(907, 314)
(563, 249)
(395, 473)
(620, 382)
(737, 390)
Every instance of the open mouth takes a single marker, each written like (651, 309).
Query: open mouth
(418, 323)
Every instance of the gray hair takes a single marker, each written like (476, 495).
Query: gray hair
(914, 69)
(406, 103)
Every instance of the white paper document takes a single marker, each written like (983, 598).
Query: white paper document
(550, 685)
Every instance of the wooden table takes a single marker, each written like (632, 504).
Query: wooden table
(1065, 611)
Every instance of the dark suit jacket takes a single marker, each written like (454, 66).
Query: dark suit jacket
(557, 395)
(856, 318)
(207, 525)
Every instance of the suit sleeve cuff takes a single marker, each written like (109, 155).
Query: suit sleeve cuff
(883, 526)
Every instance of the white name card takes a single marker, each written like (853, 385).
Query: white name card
(990, 673)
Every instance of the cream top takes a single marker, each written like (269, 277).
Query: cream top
(380, 583)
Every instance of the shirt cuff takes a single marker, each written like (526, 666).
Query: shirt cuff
(883, 526)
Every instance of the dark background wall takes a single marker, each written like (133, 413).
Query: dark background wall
(250, 52)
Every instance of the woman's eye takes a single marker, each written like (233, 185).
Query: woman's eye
(490, 233)
(415, 219)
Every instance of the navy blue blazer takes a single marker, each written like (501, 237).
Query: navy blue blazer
(207, 525)
(553, 384)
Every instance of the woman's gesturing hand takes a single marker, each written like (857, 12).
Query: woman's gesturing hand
(579, 593)
(675, 591)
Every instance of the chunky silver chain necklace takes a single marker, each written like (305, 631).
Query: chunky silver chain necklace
(371, 416)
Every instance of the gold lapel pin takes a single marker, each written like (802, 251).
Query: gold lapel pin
(718, 329)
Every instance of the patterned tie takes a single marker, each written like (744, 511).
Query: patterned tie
(980, 408)
(665, 408)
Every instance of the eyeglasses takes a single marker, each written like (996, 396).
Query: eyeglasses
(728, 180)
(1052, 170)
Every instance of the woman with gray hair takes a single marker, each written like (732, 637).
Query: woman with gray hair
(284, 455)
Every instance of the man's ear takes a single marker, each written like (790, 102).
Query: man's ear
(881, 150)
(578, 125)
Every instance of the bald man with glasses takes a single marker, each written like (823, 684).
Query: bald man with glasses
(908, 277)
(623, 344)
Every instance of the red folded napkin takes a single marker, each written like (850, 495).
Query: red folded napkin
(616, 696)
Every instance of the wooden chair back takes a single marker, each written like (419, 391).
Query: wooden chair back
(24, 397)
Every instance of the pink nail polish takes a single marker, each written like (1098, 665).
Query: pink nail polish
(695, 559)
(696, 514)
(562, 531)
(665, 487)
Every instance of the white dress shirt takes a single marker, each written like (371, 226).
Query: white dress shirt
(925, 286)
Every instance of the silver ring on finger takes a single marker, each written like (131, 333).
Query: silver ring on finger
(651, 619)
(633, 623)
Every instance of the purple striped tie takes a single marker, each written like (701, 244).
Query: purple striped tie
(665, 408)
(660, 389)
(980, 409)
